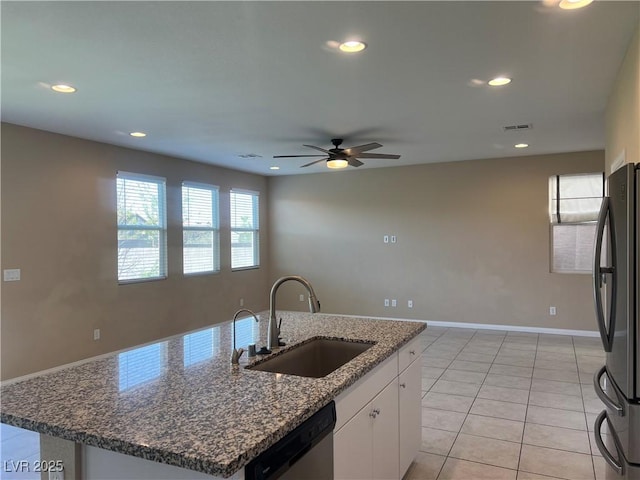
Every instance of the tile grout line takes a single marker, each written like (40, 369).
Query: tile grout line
(474, 399)
(465, 417)
(526, 410)
(586, 420)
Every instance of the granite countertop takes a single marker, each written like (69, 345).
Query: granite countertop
(180, 402)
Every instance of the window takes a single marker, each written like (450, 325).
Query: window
(142, 227)
(574, 203)
(244, 229)
(200, 228)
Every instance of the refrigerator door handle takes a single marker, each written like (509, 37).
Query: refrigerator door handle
(599, 272)
(617, 407)
(616, 464)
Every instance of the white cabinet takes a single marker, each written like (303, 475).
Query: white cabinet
(385, 433)
(409, 353)
(378, 428)
(410, 412)
(366, 446)
(352, 448)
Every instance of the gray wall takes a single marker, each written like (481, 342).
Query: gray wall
(59, 228)
(473, 241)
(472, 247)
(623, 110)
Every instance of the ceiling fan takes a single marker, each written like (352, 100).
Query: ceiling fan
(342, 157)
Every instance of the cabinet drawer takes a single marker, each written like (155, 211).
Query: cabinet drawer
(410, 352)
(349, 402)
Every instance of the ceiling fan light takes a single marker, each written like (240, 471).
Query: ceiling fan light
(499, 81)
(352, 46)
(62, 88)
(573, 4)
(337, 163)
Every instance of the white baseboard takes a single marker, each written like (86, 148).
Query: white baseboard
(486, 326)
(515, 328)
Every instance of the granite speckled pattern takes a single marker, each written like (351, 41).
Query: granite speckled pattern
(180, 402)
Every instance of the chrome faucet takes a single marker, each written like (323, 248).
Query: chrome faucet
(274, 327)
(235, 356)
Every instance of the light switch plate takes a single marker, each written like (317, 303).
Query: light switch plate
(12, 275)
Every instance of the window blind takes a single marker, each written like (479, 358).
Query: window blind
(575, 198)
(245, 229)
(200, 223)
(141, 212)
(574, 204)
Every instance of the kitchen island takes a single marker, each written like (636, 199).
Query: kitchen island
(180, 402)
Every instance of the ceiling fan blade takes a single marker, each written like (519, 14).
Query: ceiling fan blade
(354, 162)
(316, 161)
(318, 148)
(377, 155)
(295, 156)
(362, 148)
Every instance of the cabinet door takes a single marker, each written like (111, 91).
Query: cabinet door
(385, 433)
(352, 447)
(410, 411)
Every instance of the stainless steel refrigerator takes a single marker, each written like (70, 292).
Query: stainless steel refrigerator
(616, 279)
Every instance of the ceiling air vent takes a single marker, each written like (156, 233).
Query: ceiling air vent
(517, 128)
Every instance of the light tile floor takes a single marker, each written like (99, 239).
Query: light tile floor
(19, 450)
(508, 405)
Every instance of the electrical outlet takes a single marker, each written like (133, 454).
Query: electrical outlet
(386, 302)
(301, 297)
(12, 275)
(410, 303)
(96, 334)
(394, 303)
(552, 310)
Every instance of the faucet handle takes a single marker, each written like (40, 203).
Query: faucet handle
(235, 356)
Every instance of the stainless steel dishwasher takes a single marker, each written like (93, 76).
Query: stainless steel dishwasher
(306, 452)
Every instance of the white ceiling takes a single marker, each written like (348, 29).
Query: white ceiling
(209, 81)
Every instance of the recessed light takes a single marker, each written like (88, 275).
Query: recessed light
(138, 134)
(352, 46)
(573, 4)
(337, 163)
(274, 168)
(62, 88)
(499, 81)
(521, 145)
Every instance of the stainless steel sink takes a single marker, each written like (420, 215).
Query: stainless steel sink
(317, 358)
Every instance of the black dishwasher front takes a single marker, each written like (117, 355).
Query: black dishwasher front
(308, 449)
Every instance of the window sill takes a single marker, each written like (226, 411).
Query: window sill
(141, 280)
(240, 269)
